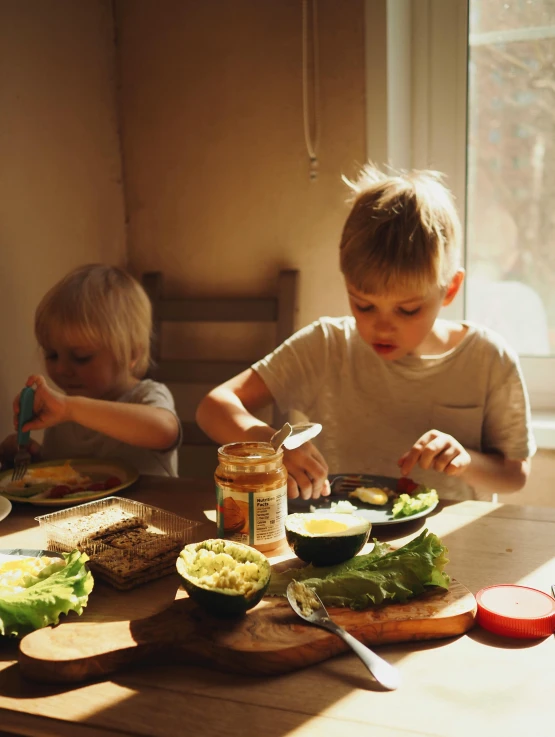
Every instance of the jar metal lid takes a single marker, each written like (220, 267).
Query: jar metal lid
(516, 611)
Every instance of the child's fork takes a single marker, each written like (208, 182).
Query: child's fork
(22, 458)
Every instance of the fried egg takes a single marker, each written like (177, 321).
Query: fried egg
(50, 475)
(17, 574)
(370, 495)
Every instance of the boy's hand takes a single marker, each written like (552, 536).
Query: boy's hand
(49, 407)
(308, 472)
(438, 451)
(8, 449)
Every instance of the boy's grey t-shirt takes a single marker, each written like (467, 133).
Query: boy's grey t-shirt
(70, 440)
(373, 411)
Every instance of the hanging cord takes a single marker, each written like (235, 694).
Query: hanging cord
(311, 132)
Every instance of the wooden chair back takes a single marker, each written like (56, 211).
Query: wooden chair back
(279, 309)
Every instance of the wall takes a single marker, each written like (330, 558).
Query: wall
(61, 198)
(216, 169)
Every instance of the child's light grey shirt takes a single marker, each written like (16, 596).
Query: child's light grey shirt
(373, 411)
(70, 440)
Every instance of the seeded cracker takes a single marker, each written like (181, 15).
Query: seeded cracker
(100, 523)
(142, 540)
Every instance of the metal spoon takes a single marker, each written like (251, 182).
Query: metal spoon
(293, 436)
(315, 612)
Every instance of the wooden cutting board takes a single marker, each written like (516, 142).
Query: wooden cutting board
(269, 639)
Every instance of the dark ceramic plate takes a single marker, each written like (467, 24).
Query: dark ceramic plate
(342, 483)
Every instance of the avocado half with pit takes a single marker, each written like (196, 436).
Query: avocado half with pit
(326, 539)
(224, 577)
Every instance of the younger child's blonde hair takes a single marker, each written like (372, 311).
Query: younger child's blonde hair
(101, 306)
(403, 232)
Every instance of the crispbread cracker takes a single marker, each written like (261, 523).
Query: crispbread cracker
(141, 540)
(124, 584)
(124, 563)
(99, 524)
(127, 543)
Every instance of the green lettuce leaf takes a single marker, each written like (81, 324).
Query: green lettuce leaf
(56, 590)
(406, 504)
(380, 577)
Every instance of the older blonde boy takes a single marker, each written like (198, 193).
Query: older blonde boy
(94, 328)
(397, 389)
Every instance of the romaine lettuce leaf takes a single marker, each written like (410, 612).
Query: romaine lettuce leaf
(382, 576)
(56, 591)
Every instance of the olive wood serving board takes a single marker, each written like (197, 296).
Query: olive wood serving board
(269, 639)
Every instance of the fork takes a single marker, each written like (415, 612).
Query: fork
(384, 673)
(343, 484)
(22, 458)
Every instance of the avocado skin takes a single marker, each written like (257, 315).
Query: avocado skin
(326, 551)
(214, 600)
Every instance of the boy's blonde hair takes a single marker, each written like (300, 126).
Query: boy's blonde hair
(102, 306)
(403, 232)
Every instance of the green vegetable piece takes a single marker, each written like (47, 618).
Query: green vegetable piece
(407, 505)
(57, 589)
(380, 577)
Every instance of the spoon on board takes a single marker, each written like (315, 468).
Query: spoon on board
(307, 604)
(293, 436)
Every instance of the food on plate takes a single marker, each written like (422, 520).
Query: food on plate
(325, 539)
(341, 507)
(17, 573)
(55, 482)
(407, 505)
(224, 577)
(380, 577)
(35, 591)
(406, 485)
(370, 495)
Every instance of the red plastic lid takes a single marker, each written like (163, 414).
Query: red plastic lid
(516, 611)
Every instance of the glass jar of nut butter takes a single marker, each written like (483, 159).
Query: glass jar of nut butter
(251, 494)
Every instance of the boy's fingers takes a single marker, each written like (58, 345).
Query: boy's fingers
(410, 461)
(292, 488)
(442, 460)
(305, 485)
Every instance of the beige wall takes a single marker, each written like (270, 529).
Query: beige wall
(60, 175)
(216, 170)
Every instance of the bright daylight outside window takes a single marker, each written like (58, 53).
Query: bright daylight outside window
(511, 171)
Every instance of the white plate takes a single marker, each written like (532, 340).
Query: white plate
(5, 507)
(99, 469)
(18, 553)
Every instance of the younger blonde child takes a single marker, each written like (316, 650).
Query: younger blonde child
(94, 327)
(397, 389)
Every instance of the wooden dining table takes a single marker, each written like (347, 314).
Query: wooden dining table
(474, 684)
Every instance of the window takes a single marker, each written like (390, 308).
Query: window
(510, 235)
(481, 102)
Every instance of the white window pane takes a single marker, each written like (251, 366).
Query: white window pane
(511, 171)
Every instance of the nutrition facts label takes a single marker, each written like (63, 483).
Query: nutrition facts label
(253, 518)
